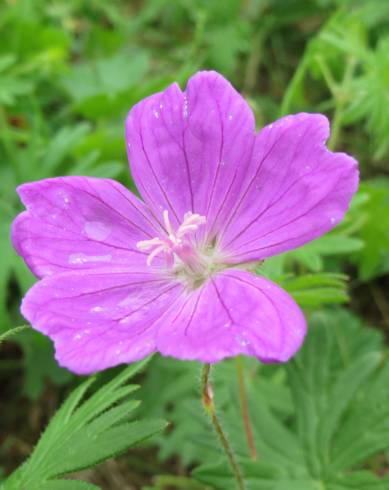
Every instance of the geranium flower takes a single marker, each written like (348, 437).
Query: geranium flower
(123, 277)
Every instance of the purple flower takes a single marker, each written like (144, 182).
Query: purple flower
(123, 277)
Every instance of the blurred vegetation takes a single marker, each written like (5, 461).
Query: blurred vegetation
(69, 72)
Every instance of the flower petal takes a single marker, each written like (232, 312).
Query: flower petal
(80, 223)
(99, 318)
(189, 151)
(235, 312)
(295, 191)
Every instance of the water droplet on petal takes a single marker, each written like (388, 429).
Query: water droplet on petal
(242, 341)
(97, 309)
(96, 230)
(185, 109)
(80, 258)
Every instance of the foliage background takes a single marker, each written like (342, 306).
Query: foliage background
(69, 72)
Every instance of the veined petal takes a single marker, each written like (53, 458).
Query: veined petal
(235, 312)
(80, 223)
(189, 151)
(100, 318)
(296, 190)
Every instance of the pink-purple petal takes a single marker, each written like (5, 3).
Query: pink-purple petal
(100, 318)
(235, 312)
(189, 150)
(296, 190)
(76, 223)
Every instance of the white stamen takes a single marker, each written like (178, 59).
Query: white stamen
(167, 223)
(154, 253)
(147, 244)
(173, 239)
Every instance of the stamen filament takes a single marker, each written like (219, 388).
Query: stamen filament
(174, 245)
(167, 223)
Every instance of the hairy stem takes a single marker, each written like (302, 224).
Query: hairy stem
(208, 404)
(13, 331)
(245, 409)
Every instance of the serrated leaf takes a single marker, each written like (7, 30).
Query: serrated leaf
(90, 448)
(338, 416)
(341, 394)
(81, 435)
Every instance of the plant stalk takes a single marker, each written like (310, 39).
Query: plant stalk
(208, 404)
(245, 409)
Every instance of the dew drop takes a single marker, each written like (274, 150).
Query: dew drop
(332, 220)
(242, 341)
(80, 258)
(96, 230)
(156, 114)
(97, 309)
(230, 116)
(185, 109)
(77, 337)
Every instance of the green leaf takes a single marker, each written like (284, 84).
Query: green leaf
(65, 485)
(374, 231)
(81, 435)
(315, 420)
(335, 244)
(61, 144)
(313, 290)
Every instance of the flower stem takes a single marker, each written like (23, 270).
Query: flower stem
(245, 409)
(207, 400)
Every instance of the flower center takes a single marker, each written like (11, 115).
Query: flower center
(177, 247)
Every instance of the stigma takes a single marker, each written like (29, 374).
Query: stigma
(176, 245)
